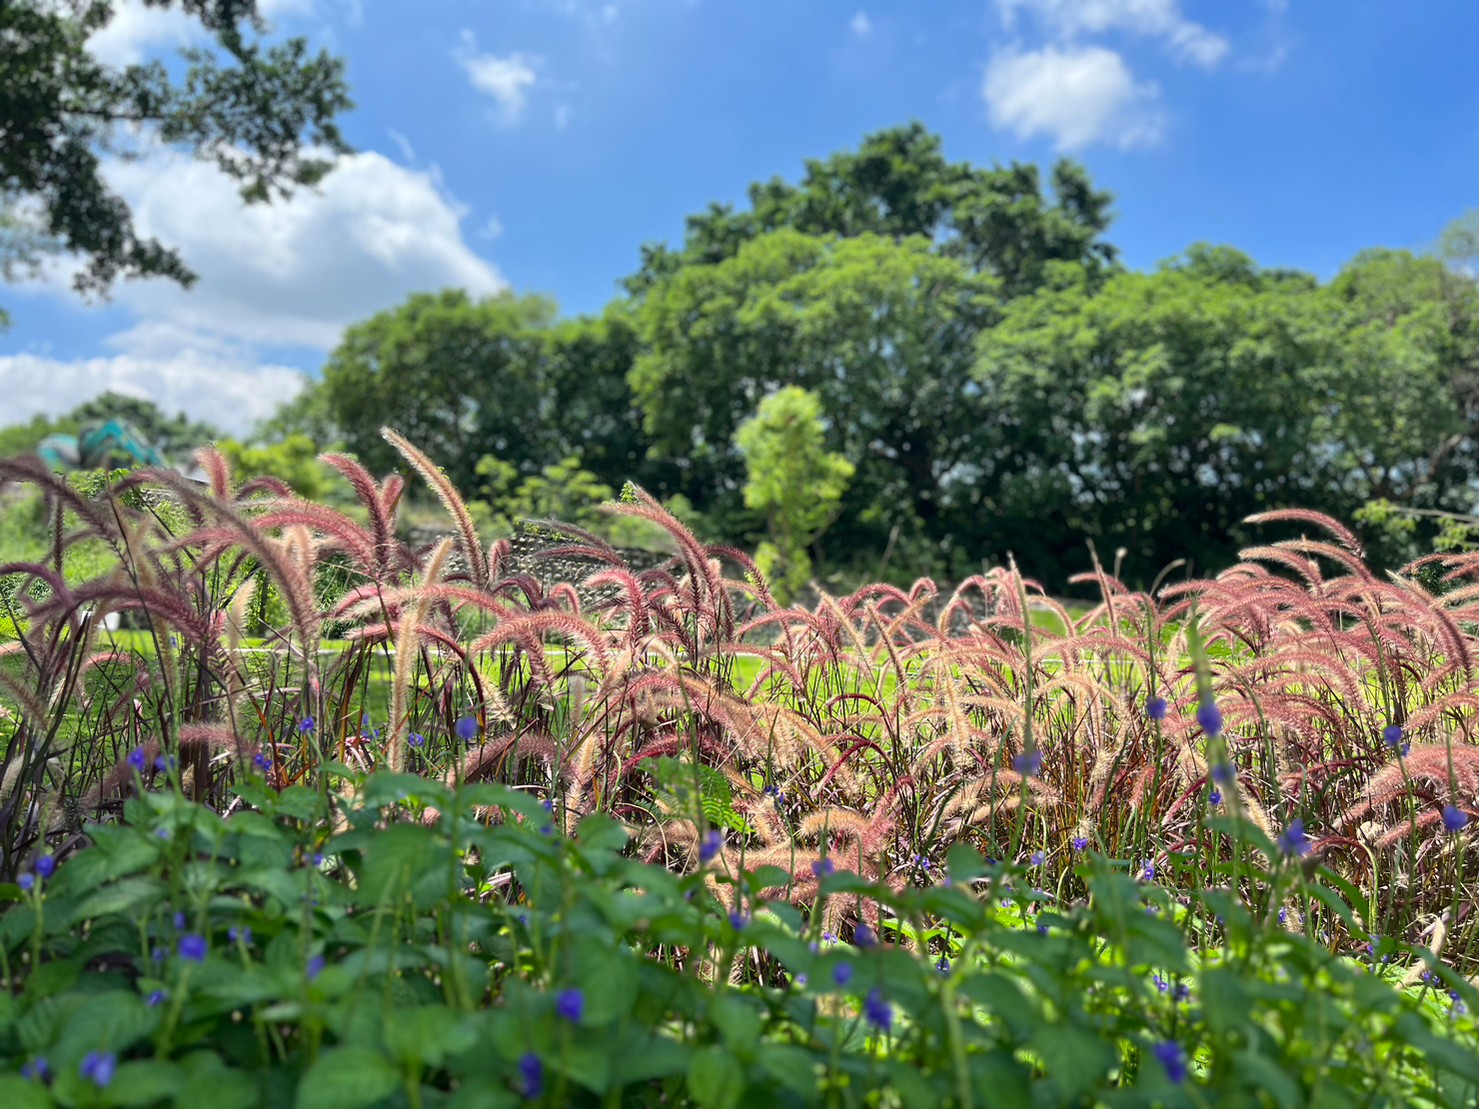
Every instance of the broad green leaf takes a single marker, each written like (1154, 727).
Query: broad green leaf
(347, 1078)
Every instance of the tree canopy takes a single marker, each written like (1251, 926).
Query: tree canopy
(254, 110)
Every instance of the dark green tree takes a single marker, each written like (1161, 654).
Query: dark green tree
(252, 109)
(998, 220)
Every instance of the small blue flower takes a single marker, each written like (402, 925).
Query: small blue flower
(1160, 983)
(1042, 928)
(416, 739)
(1215, 797)
(242, 933)
(261, 762)
(943, 965)
(710, 847)
(26, 881)
(879, 1012)
(1209, 716)
(1080, 843)
(98, 1067)
(922, 862)
(179, 920)
(162, 833)
(842, 974)
(1155, 708)
(1028, 763)
(1173, 1058)
(1224, 773)
(739, 920)
(305, 725)
(863, 936)
(193, 948)
(1292, 840)
(38, 1068)
(159, 954)
(1148, 873)
(531, 1076)
(315, 967)
(466, 728)
(155, 998)
(1037, 858)
(137, 759)
(821, 868)
(1391, 735)
(1454, 819)
(1284, 915)
(164, 763)
(45, 866)
(569, 1004)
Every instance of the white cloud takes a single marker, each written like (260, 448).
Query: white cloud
(1187, 40)
(408, 152)
(295, 272)
(504, 79)
(204, 383)
(292, 273)
(136, 33)
(492, 228)
(1077, 95)
(861, 25)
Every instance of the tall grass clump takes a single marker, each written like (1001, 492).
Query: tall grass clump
(1201, 841)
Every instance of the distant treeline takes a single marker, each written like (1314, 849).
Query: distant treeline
(994, 379)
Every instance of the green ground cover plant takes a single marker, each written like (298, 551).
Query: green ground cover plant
(1202, 845)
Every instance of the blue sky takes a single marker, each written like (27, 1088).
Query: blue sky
(535, 144)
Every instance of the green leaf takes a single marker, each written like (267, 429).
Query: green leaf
(793, 1067)
(715, 1079)
(145, 1082)
(347, 1078)
(427, 1034)
(20, 1093)
(609, 978)
(1076, 1059)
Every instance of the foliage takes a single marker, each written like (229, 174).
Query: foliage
(292, 459)
(793, 479)
(457, 941)
(256, 118)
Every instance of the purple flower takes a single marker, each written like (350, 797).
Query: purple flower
(710, 846)
(1224, 773)
(1454, 818)
(531, 1075)
(315, 967)
(1209, 716)
(1173, 1058)
(879, 1012)
(569, 1004)
(27, 881)
(179, 921)
(943, 966)
(1284, 915)
(842, 974)
(193, 948)
(1080, 843)
(1160, 983)
(863, 936)
(305, 725)
(137, 759)
(922, 862)
(1155, 708)
(98, 1067)
(1292, 840)
(162, 833)
(821, 868)
(1028, 763)
(1215, 797)
(159, 954)
(1149, 872)
(242, 933)
(1037, 858)
(38, 1068)
(164, 763)
(739, 920)
(1392, 736)
(261, 762)
(466, 727)
(45, 866)
(155, 998)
